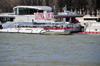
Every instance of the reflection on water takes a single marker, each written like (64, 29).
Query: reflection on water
(49, 50)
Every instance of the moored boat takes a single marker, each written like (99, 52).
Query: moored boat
(53, 28)
(92, 24)
(40, 20)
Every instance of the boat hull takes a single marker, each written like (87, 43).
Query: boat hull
(22, 30)
(56, 32)
(36, 31)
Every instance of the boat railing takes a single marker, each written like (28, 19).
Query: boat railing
(47, 26)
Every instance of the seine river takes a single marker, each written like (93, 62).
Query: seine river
(49, 50)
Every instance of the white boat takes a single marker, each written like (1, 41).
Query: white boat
(39, 17)
(92, 24)
(53, 28)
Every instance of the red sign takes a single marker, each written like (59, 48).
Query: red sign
(49, 15)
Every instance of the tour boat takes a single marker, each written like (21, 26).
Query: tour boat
(53, 28)
(41, 20)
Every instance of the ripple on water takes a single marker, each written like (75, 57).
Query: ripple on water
(49, 50)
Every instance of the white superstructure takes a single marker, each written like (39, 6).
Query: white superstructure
(92, 24)
(25, 14)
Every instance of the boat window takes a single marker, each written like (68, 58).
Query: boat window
(8, 25)
(98, 20)
(34, 10)
(15, 10)
(59, 20)
(5, 19)
(90, 18)
(67, 19)
(26, 11)
(40, 11)
(93, 19)
(48, 11)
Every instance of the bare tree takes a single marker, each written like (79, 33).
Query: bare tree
(80, 6)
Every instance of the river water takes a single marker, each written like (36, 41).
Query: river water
(49, 50)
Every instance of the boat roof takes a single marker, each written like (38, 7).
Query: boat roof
(35, 7)
(91, 17)
(62, 16)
